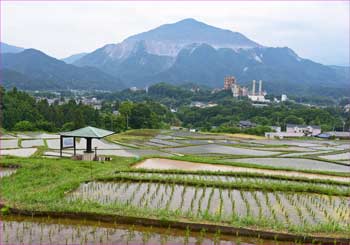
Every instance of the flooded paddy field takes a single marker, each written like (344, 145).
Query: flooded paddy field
(305, 153)
(31, 143)
(25, 230)
(222, 205)
(6, 144)
(342, 156)
(168, 164)
(295, 163)
(21, 152)
(220, 149)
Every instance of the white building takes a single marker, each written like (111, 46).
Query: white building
(347, 108)
(282, 135)
(294, 130)
(305, 129)
(284, 98)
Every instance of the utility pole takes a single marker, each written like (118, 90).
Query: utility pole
(127, 121)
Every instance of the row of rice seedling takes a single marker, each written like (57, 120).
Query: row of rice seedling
(245, 185)
(232, 179)
(226, 205)
(312, 179)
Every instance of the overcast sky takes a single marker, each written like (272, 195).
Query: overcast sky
(315, 30)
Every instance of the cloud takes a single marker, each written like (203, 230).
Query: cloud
(315, 30)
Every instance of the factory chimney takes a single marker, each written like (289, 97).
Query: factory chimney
(260, 87)
(253, 89)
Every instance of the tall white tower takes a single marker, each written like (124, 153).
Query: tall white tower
(253, 89)
(260, 87)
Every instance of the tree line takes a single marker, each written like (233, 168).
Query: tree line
(22, 112)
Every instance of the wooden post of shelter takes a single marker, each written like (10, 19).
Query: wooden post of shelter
(61, 145)
(74, 145)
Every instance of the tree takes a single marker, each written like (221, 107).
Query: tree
(69, 126)
(141, 116)
(125, 110)
(78, 119)
(294, 120)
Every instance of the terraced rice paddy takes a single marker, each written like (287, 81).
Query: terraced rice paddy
(20, 230)
(220, 149)
(21, 152)
(6, 144)
(295, 163)
(342, 156)
(282, 209)
(31, 143)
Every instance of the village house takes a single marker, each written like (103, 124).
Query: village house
(307, 130)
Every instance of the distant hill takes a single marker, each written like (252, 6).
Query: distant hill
(192, 51)
(72, 58)
(32, 69)
(6, 48)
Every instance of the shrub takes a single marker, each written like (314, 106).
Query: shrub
(24, 126)
(45, 125)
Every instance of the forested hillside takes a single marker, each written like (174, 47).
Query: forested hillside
(20, 111)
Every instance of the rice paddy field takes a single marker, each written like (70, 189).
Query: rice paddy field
(24, 230)
(295, 187)
(226, 205)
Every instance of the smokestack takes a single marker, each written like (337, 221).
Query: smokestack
(260, 87)
(253, 89)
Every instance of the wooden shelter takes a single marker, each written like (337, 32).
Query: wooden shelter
(88, 133)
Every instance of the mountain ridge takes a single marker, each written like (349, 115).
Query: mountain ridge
(51, 73)
(7, 48)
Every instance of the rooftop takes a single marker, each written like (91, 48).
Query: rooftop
(88, 132)
(302, 126)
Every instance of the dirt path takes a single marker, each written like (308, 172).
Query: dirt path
(163, 164)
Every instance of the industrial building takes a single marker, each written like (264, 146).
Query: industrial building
(257, 96)
(228, 82)
(237, 90)
(240, 91)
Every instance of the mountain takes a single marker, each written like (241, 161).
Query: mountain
(192, 51)
(33, 69)
(72, 58)
(6, 48)
(152, 52)
(169, 39)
